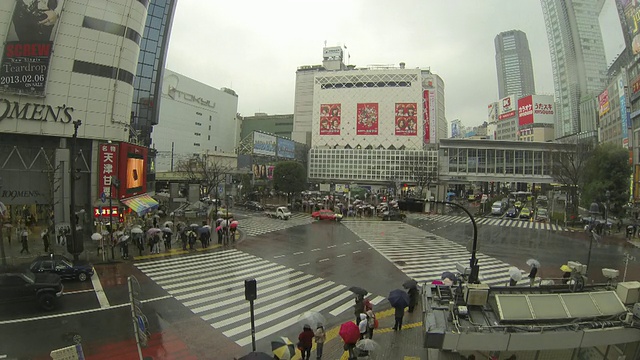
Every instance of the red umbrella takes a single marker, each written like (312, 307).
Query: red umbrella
(349, 332)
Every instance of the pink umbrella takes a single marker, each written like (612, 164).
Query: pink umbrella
(219, 228)
(234, 224)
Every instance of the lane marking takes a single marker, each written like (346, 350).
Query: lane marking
(341, 255)
(347, 243)
(316, 249)
(357, 251)
(331, 246)
(298, 253)
(323, 260)
(304, 264)
(77, 292)
(37, 318)
(278, 256)
(100, 294)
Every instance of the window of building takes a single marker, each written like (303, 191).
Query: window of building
(196, 144)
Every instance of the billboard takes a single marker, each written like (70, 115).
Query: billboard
(492, 112)
(455, 129)
(286, 148)
(507, 108)
(406, 119)
(330, 119)
(264, 144)
(28, 46)
(603, 103)
(631, 12)
(525, 110)
(107, 168)
(426, 121)
(624, 115)
(367, 119)
(132, 170)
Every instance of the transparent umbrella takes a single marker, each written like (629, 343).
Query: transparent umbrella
(311, 318)
(515, 273)
(96, 236)
(366, 344)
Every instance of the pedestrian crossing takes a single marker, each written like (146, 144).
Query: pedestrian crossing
(424, 256)
(261, 224)
(211, 285)
(505, 222)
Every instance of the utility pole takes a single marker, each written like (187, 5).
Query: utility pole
(76, 246)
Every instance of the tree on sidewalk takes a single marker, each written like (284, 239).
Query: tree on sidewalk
(207, 171)
(568, 168)
(607, 170)
(289, 177)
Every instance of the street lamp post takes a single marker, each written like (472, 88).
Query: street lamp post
(114, 182)
(594, 210)
(473, 261)
(75, 247)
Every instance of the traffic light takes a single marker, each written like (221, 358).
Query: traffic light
(250, 289)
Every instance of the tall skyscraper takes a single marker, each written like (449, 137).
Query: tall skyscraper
(578, 60)
(513, 62)
(150, 71)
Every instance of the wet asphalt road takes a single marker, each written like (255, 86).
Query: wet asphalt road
(323, 249)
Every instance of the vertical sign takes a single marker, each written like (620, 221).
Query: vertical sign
(525, 110)
(107, 167)
(603, 103)
(425, 120)
(330, 119)
(28, 46)
(367, 119)
(623, 112)
(432, 117)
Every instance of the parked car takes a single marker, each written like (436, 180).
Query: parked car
(326, 215)
(393, 215)
(498, 208)
(253, 205)
(63, 267)
(542, 215)
(512, 213)
(280, 212)
(525, 213)
(43, 288)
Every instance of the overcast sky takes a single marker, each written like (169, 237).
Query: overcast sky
(255, 47)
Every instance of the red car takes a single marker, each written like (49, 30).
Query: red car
(326, 215)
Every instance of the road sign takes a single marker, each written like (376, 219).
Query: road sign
(103, 197)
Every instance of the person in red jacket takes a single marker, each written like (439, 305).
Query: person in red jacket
(305, 342)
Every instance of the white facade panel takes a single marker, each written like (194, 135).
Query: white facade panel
(194, 119)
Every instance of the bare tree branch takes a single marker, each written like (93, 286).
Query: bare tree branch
(207, 171)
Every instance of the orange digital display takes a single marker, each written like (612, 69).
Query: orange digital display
(135, 170)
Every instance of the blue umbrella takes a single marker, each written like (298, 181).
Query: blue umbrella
(398, 298)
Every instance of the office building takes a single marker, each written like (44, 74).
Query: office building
(514, 65)
(281, 125)
(577, 58)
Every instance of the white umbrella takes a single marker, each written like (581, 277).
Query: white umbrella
(137, 226)
(105, 233)
(118, 233)
(311, 318)
(168, 223)
(96, 236)
(167, 230)
(25, 233)
(515, 273)
(207, 226)
(123, 238)
(366, 344)
(136, 230)
(533, 262)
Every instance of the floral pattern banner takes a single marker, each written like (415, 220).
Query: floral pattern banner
(406, 119)
(330, 119)
(367, 119)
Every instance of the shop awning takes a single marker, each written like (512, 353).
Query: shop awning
(141, 204)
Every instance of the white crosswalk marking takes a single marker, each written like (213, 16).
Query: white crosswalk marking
(424, 256)
(211, 285)
(489, 221)
(261, 224)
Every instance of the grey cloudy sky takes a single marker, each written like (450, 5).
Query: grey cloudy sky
(255, 47)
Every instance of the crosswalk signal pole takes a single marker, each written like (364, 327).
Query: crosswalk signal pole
(250, 294)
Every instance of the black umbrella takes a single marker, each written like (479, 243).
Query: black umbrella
(409, 284)
(358, 291)
(398, 298)
(257, 356)
(449, 275)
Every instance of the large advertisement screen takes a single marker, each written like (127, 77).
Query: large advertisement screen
(507, 108)
(367, 119)
(286, 148)
(631, 12)
(525, 110)
(264, 144)
(543, 109)
(28, 46)
(330, 119)
(133, 170)
(426, 118)
(603, 103)
(107, 168)
(406, 119)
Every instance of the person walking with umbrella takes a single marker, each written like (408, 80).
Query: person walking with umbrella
(535, 264)
(413, 297)
(358, 307)
(305, 341)
(350, 334)
(320, 337)
(399, 300)
(184, 238)
(166, 235)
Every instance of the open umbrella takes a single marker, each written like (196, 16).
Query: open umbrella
(449, 275)
(153, 231)
(515, 273)
(136, 230)
(366, 344)
(409, 284)
(168, 224)
(256, 356)
(96, 236)
(123, 238)
(207, 226)
(8, 225)
(358, 291)
(203, 230)
(349, 332)
(311, 318)
(167, 230)
(565, 268)
(194, 225)
(283, 348)
(398, 298)
(533, 262)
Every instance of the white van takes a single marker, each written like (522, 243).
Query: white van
(498, 208)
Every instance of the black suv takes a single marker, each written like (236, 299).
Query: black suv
(18, 286)
(393, 215)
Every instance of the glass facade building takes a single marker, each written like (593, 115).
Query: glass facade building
(514, 65)
(151, 63)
